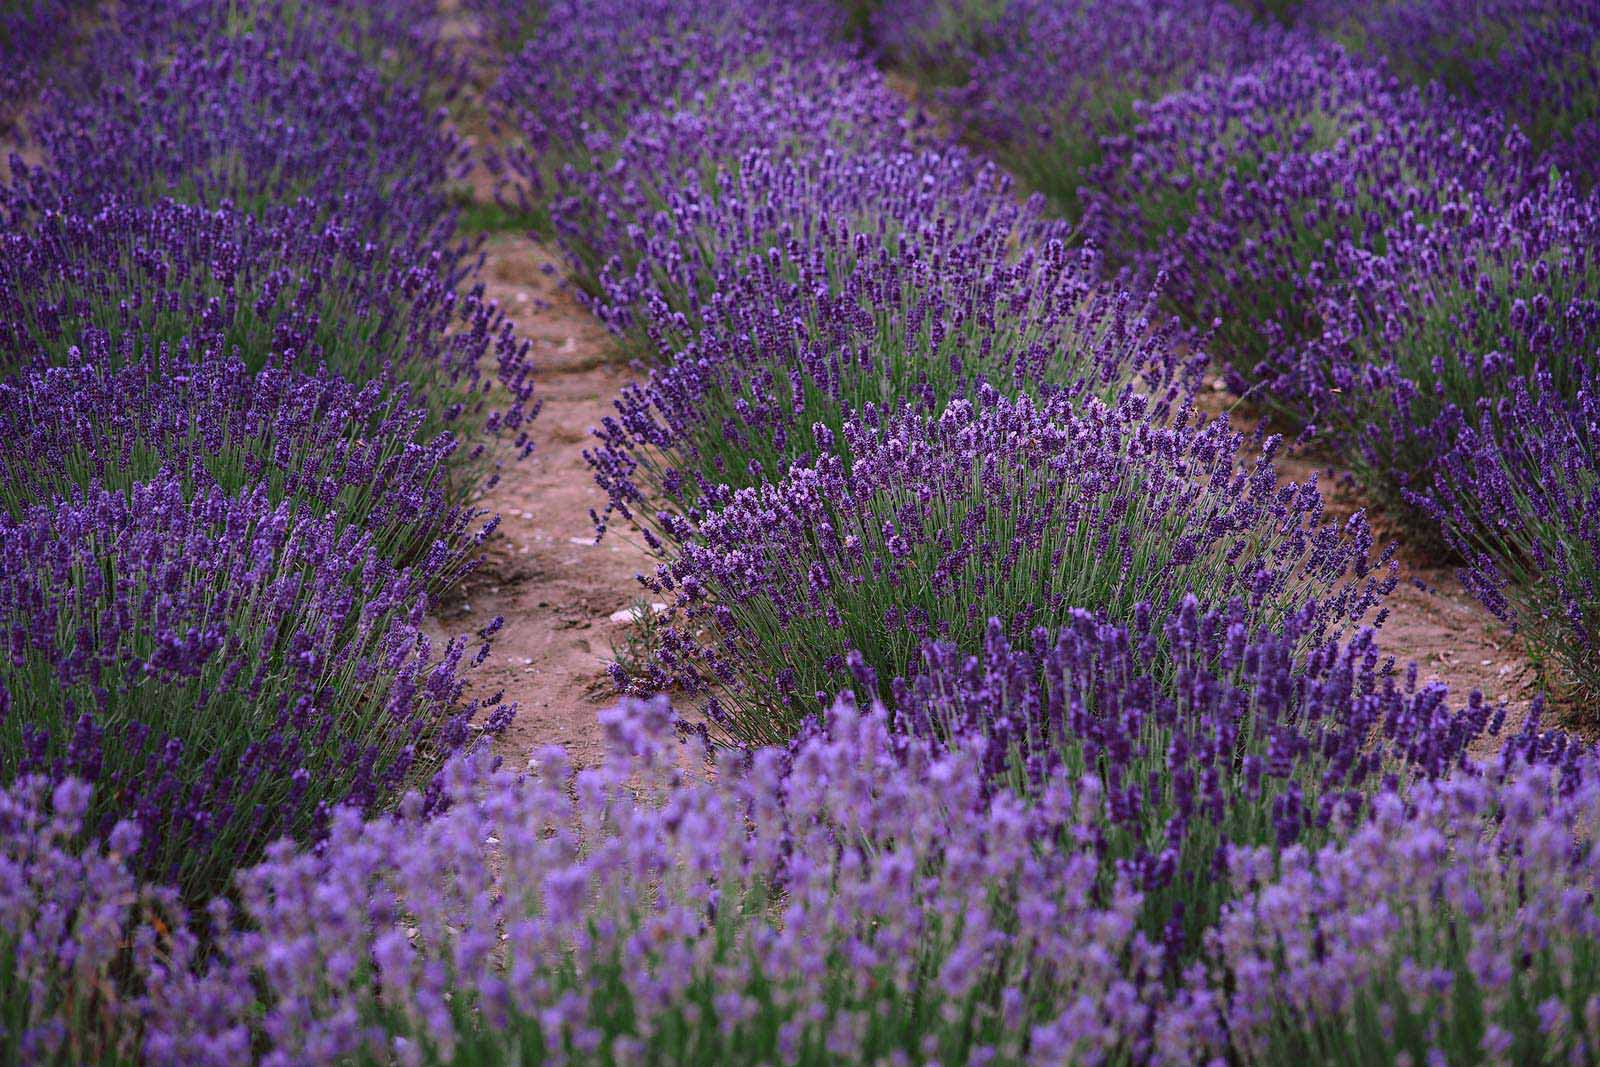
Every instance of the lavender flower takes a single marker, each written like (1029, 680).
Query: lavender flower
(326, 447)
(65, 903)
(1457, 926)
(295, 291)
(222, 670)
(1533, 60)
(1201, 732)
(1450, 320)
(1014, 509)
(1245, 187)
(1517, 497)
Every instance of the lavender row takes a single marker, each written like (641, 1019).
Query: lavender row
(253, 390)
(1379, 262)
(1532, 60)
(862, 895)
(841, 303)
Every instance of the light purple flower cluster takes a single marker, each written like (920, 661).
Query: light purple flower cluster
(1014, 509)
(1246, 188)
(222, 668)
(860, 896)
(1458, 925)
(857, 897)
(65, 903)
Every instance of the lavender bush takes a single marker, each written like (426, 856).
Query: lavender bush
(314, 441)
(1450, 321)
(1516, 497)
(1204, 734)
(255, 120)
(295, 292)
(1536, 61)
(953, 284)
(1046, 83)
(665, 210)
(1245, 187)
(857, 898)
(1457, 926)
(1014, 509)
(596, 65)
(223, 671)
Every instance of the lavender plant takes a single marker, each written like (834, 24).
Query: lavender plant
(1536, 61)
(223, 671)
(1516, 497)
(954, 284)
(1203, 733)
(1449, 321)
(1010, 509)
(594, 66)
(1048, 82)
(1457, 926)
(255, 120)
(325, 447)
(295, 292)
(665, 209)
(855, 899)
(1245, 187)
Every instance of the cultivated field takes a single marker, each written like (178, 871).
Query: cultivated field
(800, 532)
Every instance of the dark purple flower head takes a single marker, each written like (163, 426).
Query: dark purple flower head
(1246, 188)
(221, 668)
(1018, 509)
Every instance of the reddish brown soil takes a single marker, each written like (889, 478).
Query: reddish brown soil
(542, 571)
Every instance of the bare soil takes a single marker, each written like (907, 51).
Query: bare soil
(543, 571)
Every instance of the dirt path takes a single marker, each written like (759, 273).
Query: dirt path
(542, 571)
